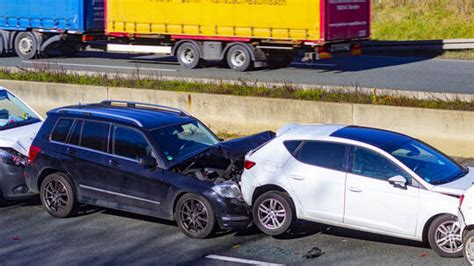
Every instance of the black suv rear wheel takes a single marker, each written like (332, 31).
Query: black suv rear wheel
(58, 196)
(195, 216)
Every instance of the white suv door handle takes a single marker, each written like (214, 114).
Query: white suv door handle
(355, 189)
(297, 177)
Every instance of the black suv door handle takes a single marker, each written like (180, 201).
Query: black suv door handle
(114, 163)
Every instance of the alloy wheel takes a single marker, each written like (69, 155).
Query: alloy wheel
(55, 196)
(448, 237)
(271, 214)
(194, 215)
(470, 250)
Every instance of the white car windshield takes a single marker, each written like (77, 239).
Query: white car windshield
(14, 113)
(180, 141)
(431, 165)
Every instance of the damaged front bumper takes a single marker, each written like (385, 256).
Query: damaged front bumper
(231, 213)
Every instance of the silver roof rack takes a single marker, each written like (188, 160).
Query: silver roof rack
(89, 112)
(156, 106)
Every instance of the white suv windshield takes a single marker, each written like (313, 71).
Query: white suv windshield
(14, 113)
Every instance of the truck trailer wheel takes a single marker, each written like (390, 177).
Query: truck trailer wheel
(239, 58)
(26, 45)
(188, 55)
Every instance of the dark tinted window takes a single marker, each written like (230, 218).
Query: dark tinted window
(76, 133)
(61, 130)
(292, 145)
(374, 165)
(130, 143)
(94, 135)
(323, 154)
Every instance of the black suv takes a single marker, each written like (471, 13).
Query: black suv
(142, 158)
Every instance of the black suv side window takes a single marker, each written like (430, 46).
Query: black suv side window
(95, 135)
(61, 130)
(76, 133)
(371, 164)
(323, 154)
(130, 143)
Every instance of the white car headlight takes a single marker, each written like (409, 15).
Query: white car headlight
(227, 189)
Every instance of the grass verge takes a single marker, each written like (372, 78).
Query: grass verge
(422, 19)
(243, 89)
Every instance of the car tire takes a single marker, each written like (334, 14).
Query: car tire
(195, 216)
(468, 249)
(273, 212)
(444, 236)
(26, 45)
(58, 196)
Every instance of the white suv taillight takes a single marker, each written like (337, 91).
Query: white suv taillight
(461, 199)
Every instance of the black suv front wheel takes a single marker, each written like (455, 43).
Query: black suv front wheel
(57, 195)
(195, 216)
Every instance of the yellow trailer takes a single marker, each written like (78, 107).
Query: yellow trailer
(265, 28)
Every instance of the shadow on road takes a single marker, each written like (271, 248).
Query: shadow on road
(336, 65)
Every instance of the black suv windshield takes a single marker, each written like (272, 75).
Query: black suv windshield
(14, 113)
(430, 164)
(180, 141)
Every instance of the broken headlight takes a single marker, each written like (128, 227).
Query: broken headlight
(227, 189)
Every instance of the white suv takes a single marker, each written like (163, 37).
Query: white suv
(466, 220)
(354, 177)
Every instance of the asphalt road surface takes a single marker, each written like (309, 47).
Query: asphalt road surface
(405, 73)
(29, 236)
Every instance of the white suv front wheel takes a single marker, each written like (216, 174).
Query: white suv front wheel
(273, 212)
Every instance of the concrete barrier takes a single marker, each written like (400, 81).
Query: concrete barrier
(450, 131)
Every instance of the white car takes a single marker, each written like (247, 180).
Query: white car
(466, 221)
(360, 178)
(19, 124)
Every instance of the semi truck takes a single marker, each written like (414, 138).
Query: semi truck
(242, 33)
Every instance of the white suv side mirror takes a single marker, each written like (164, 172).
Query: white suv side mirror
(398, 181)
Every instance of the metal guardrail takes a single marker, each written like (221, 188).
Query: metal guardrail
(450, 44)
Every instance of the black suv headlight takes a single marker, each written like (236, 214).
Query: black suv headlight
(227, 189)
(12, 157)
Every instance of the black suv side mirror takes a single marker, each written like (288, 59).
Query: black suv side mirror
(147, 162)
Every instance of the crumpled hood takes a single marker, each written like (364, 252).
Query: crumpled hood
(457, 187)
(232, 149)
(239, 147)
(19, 138)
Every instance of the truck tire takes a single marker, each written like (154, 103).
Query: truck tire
(239, 58)
(444, 236)
(189, 56)
(26, 45)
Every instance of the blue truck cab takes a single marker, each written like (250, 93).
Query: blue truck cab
(31, 27)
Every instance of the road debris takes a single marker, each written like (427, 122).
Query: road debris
(313, 253)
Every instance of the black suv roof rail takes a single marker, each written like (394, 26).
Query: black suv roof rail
(156, 106)
(89, 112)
